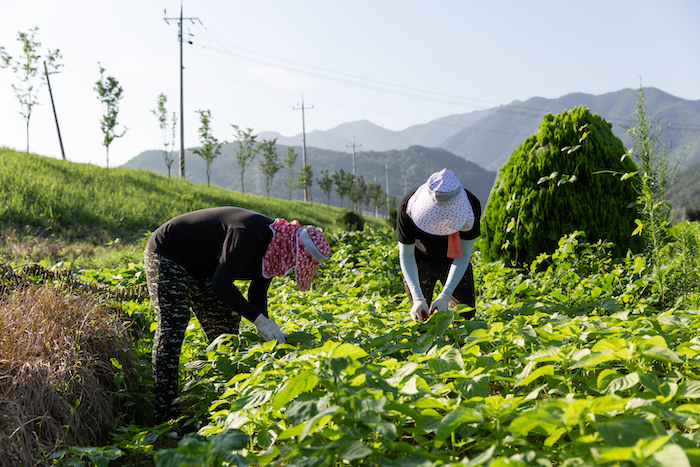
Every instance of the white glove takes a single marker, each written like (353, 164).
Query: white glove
(269, 330)
(440, 303)
(419, 310)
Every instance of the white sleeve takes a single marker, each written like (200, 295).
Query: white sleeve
(409, 268)
(458, 268)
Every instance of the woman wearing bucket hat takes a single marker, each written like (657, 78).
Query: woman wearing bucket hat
(436, 226)
(192, 260)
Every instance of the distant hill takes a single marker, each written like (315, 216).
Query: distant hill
(488, 137)
(685, 192)
(404, 168)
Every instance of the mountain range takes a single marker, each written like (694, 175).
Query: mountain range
(474, 145)
(488, 137)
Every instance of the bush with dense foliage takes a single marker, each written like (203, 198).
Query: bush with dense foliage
(567, 177)
(352, 221)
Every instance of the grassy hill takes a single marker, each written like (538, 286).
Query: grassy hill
(41, 196)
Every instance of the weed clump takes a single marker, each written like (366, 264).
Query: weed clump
(65, 363)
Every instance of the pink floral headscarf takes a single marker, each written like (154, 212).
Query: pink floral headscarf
(295, 247)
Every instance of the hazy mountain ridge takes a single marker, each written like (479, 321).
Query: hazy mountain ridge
(474, 145)
(488, 137)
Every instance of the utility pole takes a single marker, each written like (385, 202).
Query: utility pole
(352, 145)
(55, 116)
(182, 99)
(303, 141)
(386, 172)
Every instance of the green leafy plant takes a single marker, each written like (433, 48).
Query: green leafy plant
(572, 359)
(652, 182)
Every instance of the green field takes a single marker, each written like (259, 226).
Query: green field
(581, 359)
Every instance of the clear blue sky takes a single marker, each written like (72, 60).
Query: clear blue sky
(395, 63)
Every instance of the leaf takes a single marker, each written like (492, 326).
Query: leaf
(610, 381)
(230, 440)
(657, 352)
(405, 370)
(415, 385)
(291, 432)
(300, 337)
(440, 322)
(531, 419)
(529, 333)
(545, 370)
(625, 431)
(595, 359)
(548, 177)
(671, 455)
(448, 359)
(689, 388)
(613, 344)
(640, 227)
(303, 382)
(481, 458)
(319, 419)
(544, 355)
(606, 404)
(355, 450)
(454, 419)
(344, 350)
(603, 455)
(477, 386)
(660, 387)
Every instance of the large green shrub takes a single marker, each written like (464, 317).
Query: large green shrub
(352, 221)
(568, 177)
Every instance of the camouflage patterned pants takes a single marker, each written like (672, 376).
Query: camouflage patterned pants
(173, 292)
(429, 272)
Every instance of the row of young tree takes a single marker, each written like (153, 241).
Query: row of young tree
(26, 68)
(346, 185)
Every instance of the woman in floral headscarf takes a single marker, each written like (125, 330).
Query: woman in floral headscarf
(436, 226)
(192, 261)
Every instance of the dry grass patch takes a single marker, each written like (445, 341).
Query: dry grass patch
(57, 380)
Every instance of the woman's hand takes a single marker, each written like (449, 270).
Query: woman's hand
(269, 330)
(420, 310)
(440, 303)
